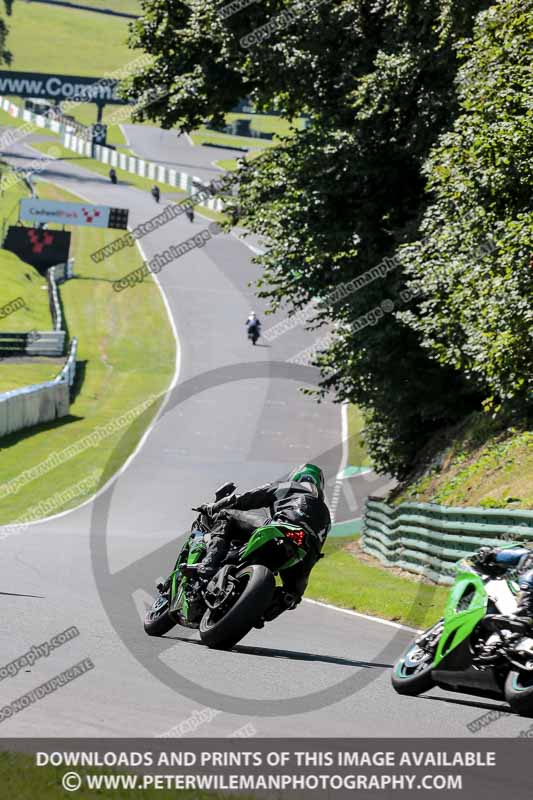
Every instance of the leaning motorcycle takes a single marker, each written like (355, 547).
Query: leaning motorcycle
(242, 595)
(473, 648)
(254, 333)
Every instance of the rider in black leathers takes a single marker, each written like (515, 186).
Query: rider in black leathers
(297, 501)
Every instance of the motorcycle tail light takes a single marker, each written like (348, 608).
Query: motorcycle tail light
(296, 536)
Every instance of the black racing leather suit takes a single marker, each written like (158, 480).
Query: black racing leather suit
(297, 503)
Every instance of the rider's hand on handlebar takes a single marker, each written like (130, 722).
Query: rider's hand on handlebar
(484, 557)
(205, 508)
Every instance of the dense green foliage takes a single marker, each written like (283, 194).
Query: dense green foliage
(378, 81)
(474, 264)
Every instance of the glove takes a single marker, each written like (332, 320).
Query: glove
(485, 556)
(226, 502)
(205, 508)
(210, 509)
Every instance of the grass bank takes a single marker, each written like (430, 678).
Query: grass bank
(22, 780)
(483, 462)
(23, 289)
(121, 364)
(55, 39)
(344, 580)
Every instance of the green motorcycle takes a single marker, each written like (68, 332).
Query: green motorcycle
(473, 648)
(243, 593)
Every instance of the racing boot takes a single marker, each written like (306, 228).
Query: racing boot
(216, 553)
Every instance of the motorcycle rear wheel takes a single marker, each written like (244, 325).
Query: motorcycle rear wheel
(256, 596)
(519, 692)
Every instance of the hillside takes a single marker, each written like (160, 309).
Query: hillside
(484, 462)
(45, 38)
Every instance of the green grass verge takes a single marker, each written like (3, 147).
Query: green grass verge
(484, 462)
(22, 780)
(6, 120)
(122, 364)
(268, 123)
(15, 376)
(228, 164)
(205, 136)
(343, 580)
(11, 197)
(124, 6)
(17, 279)
(357, 454)
(43, 38)
(70, 41)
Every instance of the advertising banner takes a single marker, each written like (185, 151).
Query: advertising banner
(62, 213)
(60, 87)
(40, 248)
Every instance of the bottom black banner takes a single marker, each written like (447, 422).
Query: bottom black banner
(321, 768)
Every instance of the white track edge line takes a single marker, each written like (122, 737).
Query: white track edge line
(351, 613)
(154, 422)
(152, 426)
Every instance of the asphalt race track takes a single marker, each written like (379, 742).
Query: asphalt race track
(316, 671)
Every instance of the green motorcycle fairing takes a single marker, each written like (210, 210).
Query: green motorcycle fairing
(268, 533)
(465, 608)
(195, 551)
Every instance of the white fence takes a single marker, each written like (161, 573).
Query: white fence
(142, 168)
(132, 164)
(42, 402)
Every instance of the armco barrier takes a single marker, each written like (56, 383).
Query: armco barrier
(55, 305)
(64, 272)
(429, 539)
(43, 402)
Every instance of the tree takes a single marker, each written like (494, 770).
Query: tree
(376, 78)
(473, 267)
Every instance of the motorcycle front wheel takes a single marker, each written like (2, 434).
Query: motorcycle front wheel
(412, 673)
(519, 692)
(256, 586)
(157, 621)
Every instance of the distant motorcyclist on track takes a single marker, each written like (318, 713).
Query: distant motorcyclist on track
(253, 326)
(156, 193)
(113, 175)
(299, 500)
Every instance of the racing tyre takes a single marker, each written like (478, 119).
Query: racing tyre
(157, 621)
(257, 586)
(519, 692)
(412, 673)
